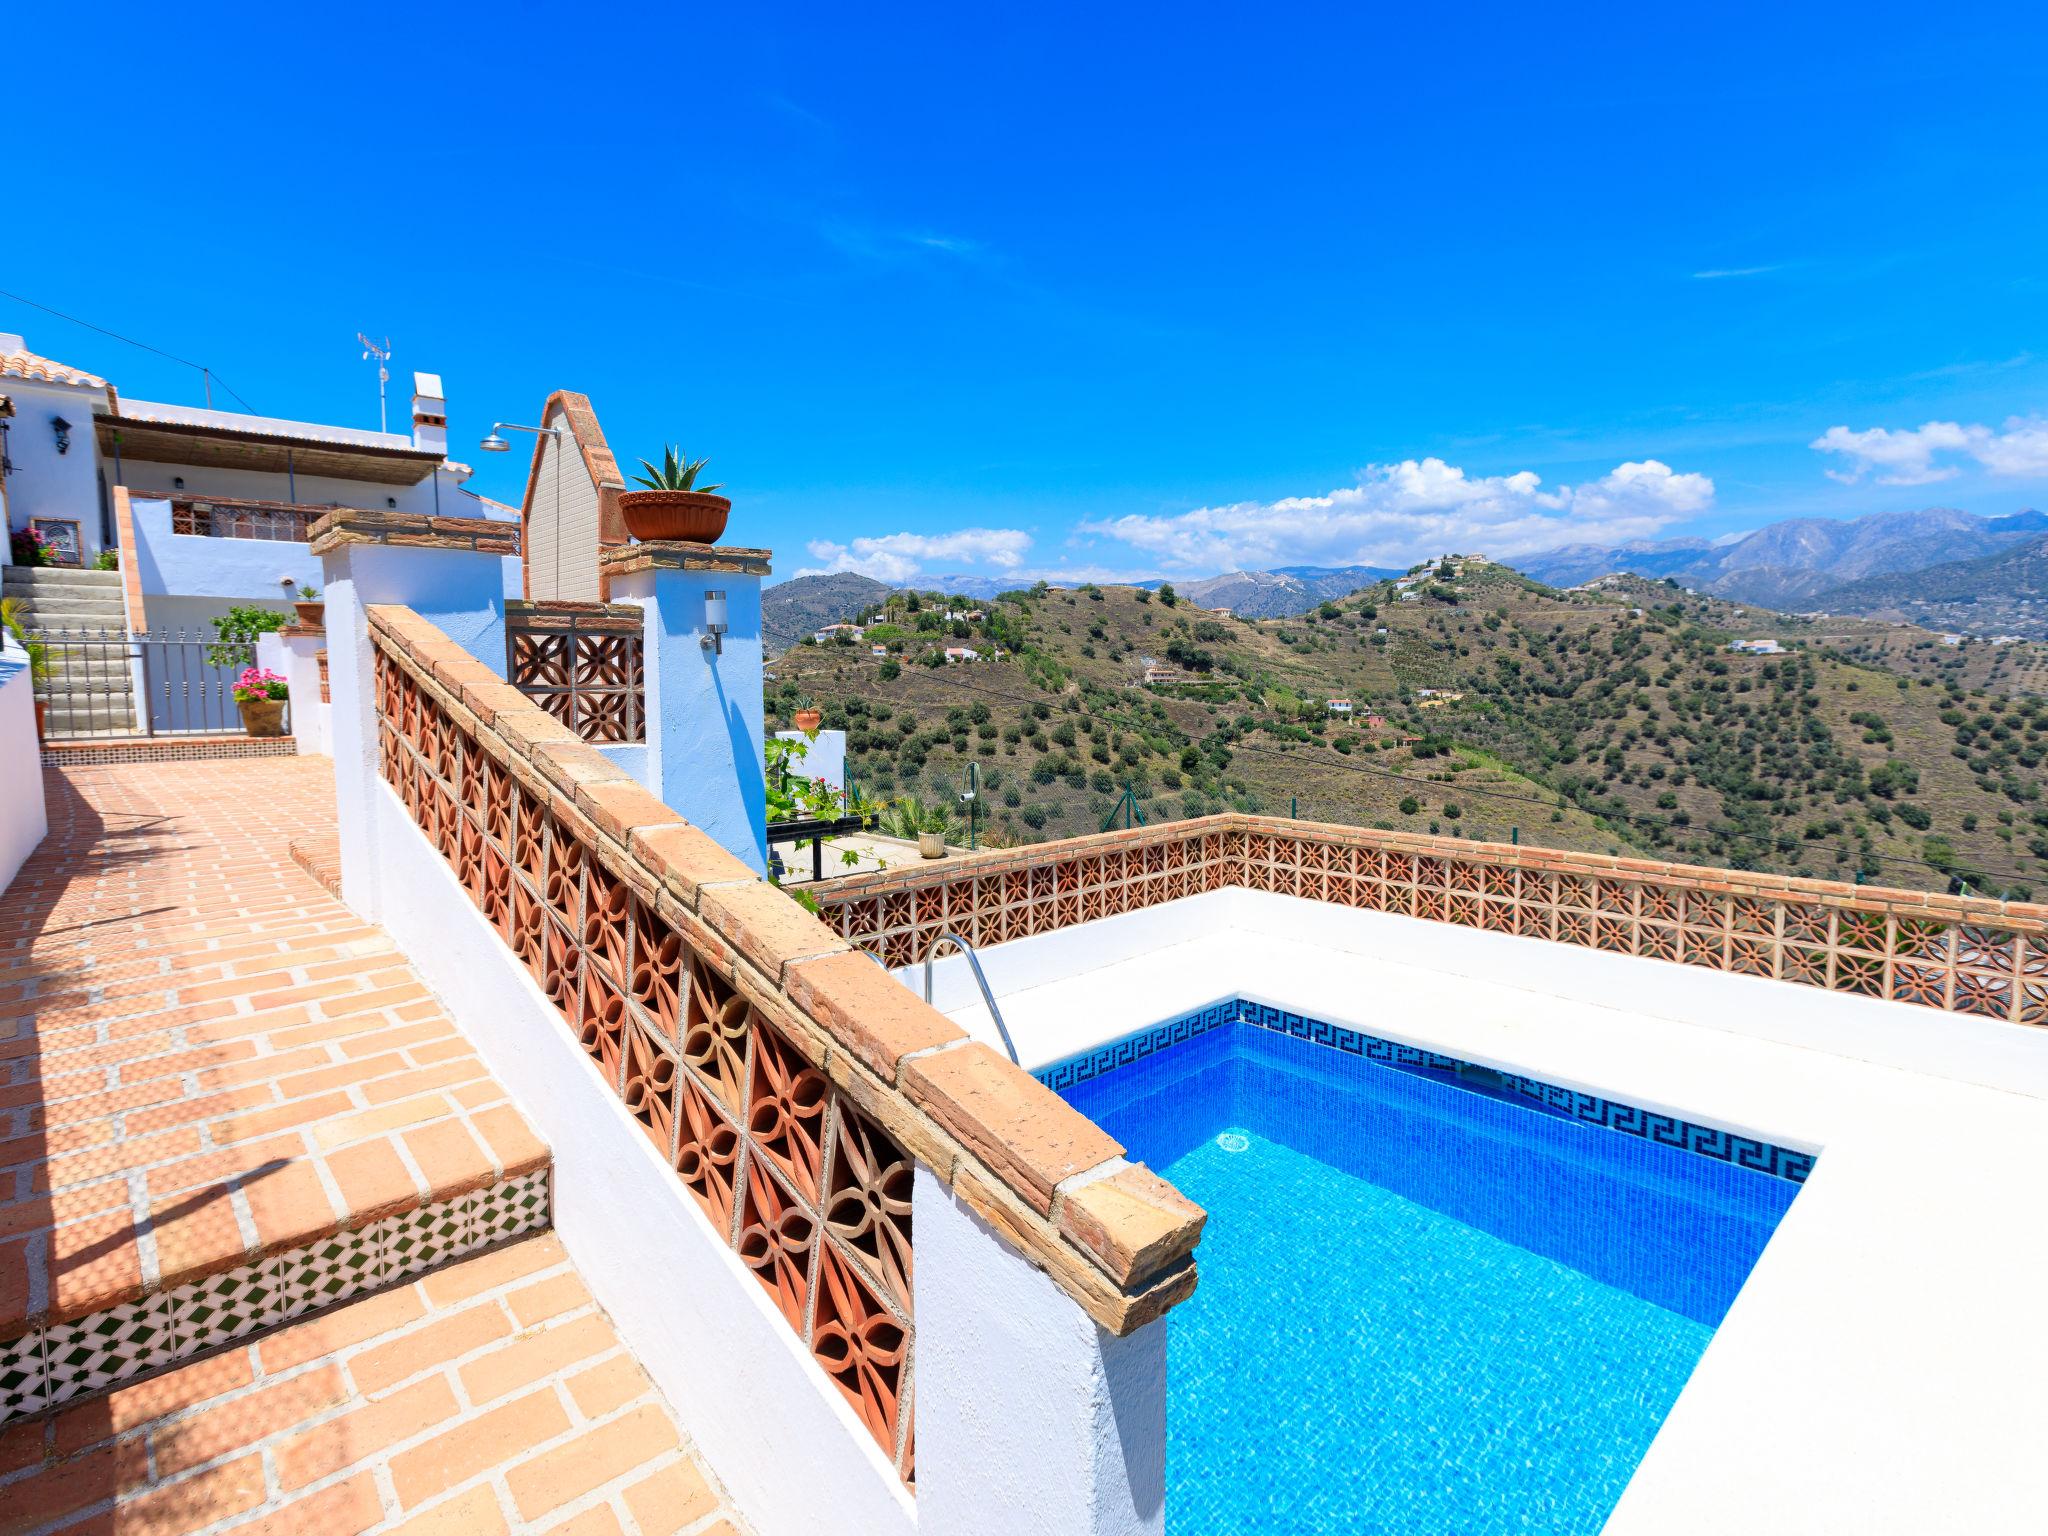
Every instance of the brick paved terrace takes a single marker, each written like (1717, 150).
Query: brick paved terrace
(226, 1102)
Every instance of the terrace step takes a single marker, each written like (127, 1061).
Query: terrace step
(226, 1103)
(26, 578)
(490, 1388)
(66, 611)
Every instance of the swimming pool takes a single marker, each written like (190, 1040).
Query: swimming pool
(1434, 1298)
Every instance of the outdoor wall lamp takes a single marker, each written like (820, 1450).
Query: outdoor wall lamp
(714, 623)
(62, 428)
(493, 443)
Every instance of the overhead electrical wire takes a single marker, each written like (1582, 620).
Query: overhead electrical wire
(185, 362)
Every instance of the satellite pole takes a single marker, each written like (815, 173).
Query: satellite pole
(381, 352)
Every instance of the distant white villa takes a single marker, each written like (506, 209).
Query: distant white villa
(1757, 647)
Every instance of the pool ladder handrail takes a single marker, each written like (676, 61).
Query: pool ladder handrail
(982, 979)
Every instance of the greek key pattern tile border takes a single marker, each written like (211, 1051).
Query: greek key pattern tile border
(1588, 1109)
(50, 1366)
(1950, 954)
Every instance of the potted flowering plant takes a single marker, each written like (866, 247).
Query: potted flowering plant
(806, 716)
(674, 505)
(260, 695)
(28, 548)
(312, 612)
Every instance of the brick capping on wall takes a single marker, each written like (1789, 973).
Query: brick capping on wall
(788, 1081)
(363, 525)
(676, 555)
(1956, 953)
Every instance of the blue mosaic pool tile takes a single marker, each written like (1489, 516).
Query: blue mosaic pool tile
(1569, 1103)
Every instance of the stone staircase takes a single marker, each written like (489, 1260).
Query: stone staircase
(82, 617)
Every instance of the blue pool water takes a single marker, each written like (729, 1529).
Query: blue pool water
(1422, 1308)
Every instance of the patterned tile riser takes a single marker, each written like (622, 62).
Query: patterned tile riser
(1590, 1109)
(812, 1195)
(51, 1366)
(1993, 967)
(86, 753)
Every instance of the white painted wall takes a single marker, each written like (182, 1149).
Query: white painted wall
(296, 658)
(46, 483)
(705, 724)
(197, 565)
(1030, 1419)
(1227, 943)
(23, 819)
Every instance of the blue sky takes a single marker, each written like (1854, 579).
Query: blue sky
(1062, 290)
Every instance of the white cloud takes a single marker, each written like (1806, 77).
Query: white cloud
(1910, 457)
(1397, 513)
(1720, 272)
(901, 557)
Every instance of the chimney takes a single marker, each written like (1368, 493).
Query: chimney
(429, 414)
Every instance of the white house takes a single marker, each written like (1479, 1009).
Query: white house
(962, 653)
(207, 509)
(831, 632)
(1340, 706)
(1757, 647)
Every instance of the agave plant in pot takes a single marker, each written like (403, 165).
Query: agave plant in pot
(674, 506)
(260, 694)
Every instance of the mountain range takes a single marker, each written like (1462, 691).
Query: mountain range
(1868, 566)
(1799, 563)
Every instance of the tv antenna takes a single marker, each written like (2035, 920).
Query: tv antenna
(381, 352)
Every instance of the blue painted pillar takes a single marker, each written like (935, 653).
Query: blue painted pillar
(704, 721)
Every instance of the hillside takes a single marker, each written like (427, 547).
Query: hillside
(2000, 594)
(1613, 719)
(794, 608)
(1792, 563)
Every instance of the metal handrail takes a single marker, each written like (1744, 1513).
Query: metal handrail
(981, 980)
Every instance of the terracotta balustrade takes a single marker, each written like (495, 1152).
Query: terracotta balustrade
(790, 1083)
(1960, 954)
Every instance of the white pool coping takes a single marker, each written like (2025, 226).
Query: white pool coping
(1883, 1370)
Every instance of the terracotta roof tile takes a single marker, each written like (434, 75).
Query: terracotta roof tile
(24, 364)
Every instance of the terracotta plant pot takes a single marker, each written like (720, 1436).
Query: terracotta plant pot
(42, 709)
(808, 719)
(262, 717)
(688, 517)
(931, 845)
(312, 615)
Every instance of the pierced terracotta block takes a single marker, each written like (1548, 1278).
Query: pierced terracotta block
(602, 1026)
(563, 883)
(707, 1154)
(776, 1234)
(786, 1110)
(868, 1208)
(561, 967)
(650, 1085)
(607, 924)
(861, 1345)
(716, 1027)
(657, 971)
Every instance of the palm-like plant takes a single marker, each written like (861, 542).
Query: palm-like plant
(675, 473)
